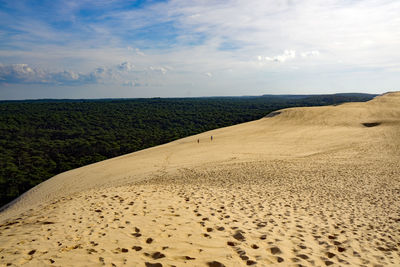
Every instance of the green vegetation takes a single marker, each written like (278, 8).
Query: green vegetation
(39, 139)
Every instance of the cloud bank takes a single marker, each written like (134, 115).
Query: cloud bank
(25, 74)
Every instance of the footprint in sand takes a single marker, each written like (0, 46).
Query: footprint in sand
(215, 264)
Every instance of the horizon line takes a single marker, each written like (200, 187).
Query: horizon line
(182, 97)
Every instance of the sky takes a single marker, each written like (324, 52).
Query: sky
(184, 48)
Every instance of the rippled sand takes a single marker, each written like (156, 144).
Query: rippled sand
(308, 187)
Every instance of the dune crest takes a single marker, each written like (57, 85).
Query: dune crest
(315, 186)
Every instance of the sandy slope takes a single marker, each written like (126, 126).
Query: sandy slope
(310, 186)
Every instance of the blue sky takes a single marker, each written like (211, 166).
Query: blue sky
(180, 48)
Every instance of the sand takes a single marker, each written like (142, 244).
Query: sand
(317, 186)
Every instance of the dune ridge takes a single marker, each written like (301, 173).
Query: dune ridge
(315, 186)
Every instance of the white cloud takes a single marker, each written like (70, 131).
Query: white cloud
(161, 70)
(124, 74)
(313, 53)
(23, 73)
(287, 54)
(67, 77)
(16, 72)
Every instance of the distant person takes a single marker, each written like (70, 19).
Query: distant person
(211, 138)
(198, 140)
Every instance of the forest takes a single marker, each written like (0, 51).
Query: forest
(41, 138)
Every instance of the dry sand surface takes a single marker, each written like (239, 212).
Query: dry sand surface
(313, 186)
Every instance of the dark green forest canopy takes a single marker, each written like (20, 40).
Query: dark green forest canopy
(41, 138)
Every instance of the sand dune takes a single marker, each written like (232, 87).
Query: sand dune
(317, 186)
